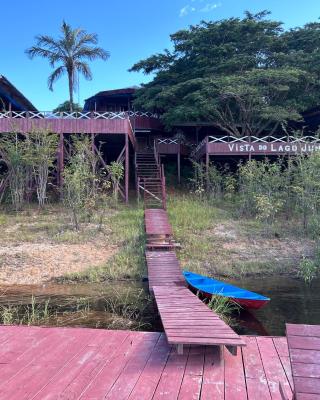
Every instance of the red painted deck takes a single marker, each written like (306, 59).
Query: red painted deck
(304, 349)
(187, 320)
(157, 222)
(74, 363)
(163, 269)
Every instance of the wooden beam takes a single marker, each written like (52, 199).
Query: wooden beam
(179, 167)
(126, 178)
(60, 163)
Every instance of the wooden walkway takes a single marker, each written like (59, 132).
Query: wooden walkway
(77, 363)
(304, 349)
(163, 269)
(187, 320)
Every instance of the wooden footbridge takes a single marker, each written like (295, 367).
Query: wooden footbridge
(185, 318)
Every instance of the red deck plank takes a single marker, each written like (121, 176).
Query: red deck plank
(193, 375)
(148, 380)
(304, 350)
(254, 372)
(172, 376)
(213, 375)
(97, 364)
(273, 368)
(235, 384)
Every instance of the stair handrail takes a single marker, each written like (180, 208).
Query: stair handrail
(163, 187)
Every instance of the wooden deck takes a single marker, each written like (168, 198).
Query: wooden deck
(157, 223)
(163, 269)
(187, 320)
(70, 364)
(304, 349)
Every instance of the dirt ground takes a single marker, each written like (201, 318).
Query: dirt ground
(38, 246)
(32, 263)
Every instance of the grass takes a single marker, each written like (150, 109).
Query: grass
(127, 233)
(216, 241)
(129, 308)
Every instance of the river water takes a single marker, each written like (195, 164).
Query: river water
(291, 301)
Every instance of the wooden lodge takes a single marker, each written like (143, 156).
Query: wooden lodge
(123, 133)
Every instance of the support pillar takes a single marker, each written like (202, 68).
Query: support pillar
(60, 164)
(126, 178)
(179, 167)
(207, 163)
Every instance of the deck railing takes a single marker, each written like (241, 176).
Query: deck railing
(75, 114)
(259, 145)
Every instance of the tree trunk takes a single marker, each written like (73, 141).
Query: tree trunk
(70, 76)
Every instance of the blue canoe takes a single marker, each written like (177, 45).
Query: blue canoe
(208, 287)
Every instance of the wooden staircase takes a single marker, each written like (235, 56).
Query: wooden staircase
(150, 179)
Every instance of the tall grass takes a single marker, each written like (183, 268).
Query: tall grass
(224, 308)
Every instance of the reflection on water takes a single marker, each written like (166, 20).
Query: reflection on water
(291, 301)
(116, 305)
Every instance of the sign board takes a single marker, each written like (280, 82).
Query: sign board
(267, 148)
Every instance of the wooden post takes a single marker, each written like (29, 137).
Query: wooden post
(126, 182)
(179, 169)
(60, 164)
(207, 163)
(93, 149)
(180, 349)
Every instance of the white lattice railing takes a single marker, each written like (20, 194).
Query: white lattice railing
(168, 141)
(75, 114)
(254, 139)
(265, 139)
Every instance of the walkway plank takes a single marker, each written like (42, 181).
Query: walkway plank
(181, 325)
(304, 350)
(157, 222)
(163, 269)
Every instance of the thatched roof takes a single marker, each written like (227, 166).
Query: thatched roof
(9, 94)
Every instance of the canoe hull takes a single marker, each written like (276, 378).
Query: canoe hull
(244, 303)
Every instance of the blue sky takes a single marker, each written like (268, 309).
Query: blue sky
(129, 30)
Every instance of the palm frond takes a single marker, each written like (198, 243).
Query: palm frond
(84, 69)
(56, 74)
(92, 53)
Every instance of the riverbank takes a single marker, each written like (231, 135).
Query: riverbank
(216, 241)
(39, 246)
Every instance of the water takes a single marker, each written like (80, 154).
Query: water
(291, 301)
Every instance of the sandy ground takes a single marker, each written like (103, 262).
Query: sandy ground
(32, 263)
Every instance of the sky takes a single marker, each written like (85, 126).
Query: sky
(129, 30)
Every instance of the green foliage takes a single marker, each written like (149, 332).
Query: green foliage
(308, 269)
(83, 188)
(42, 151)
(66, 106)
(306, 188)
(116, 170)
(70, 50)
(245, 76)
(261, 189)
(14, 152)
(224, 308)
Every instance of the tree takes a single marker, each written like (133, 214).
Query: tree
(69, 51)
(66, 106)
(235, 73)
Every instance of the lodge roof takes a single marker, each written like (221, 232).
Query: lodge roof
(11, 95)
(115, 92)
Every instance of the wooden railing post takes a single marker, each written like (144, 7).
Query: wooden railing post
(163, 187)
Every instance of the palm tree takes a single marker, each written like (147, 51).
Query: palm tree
(69, 50)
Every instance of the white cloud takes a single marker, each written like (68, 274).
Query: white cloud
(186, 10)
(210, 6)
